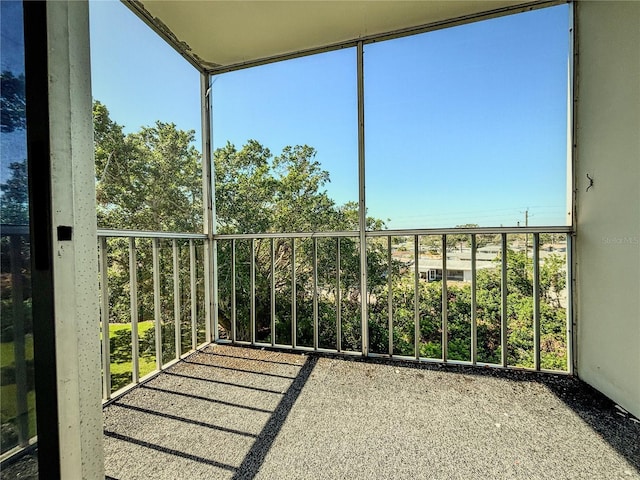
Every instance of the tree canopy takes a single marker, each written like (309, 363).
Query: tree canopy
(12, 102)
(14, 201)
(147, 180)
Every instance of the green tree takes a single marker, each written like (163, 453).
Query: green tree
(14, 207)
(257, 192)
(12, 102)
(14, 201)
(148, 180)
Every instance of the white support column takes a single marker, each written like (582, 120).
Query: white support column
(209, 223)
(75, 259)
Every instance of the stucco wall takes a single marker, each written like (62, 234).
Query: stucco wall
(608, 214)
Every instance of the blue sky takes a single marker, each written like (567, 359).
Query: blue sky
(463, 125)
(137, 75)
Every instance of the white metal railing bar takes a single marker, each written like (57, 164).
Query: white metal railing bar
(315, 293)
(157, 314)
(194, 294)
(104, 232)
(444, 301)
(570, 319)
(176, 299)
(104, 319)
(272, 292)
(474, 307)
(416, 298)
(536, 301)
(390, 296)
(464, 230)
(503, 300)
(294, 309)
(338, 299)
(283, 235)
(368, 233)
(211, 300)
(133, 293)
(234, 337)
(252, 300)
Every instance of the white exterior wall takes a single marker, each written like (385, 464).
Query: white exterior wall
(608, 215)
(75, 261)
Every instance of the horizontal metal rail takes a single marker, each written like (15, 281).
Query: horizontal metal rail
(467, 231)
(102, 232)
(7, 230)
(396, 232)
(259, 236)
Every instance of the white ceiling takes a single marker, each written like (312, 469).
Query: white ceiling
(219, 34)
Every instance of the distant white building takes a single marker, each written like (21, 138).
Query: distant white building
(430, 269)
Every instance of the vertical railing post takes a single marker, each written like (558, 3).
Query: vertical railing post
(273, 293)
(17, 299)
(338, 299)
(390, 295)
(536, 301)
(176, 300)
(315, 293)
(157, 314)
(445, 306)
(212, 332)
(252, 300)
(194, 296)
(474, 308)
(503, 302)
(233, 292)
(416, 297)
(133, 295)
(104, 319)
(569, 287)
(294, 308)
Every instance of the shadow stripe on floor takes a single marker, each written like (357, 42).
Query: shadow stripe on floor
(220, 382)
(170, 451)
(207, 399)
(185, 420)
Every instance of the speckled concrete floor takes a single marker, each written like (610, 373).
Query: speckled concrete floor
(239, 413)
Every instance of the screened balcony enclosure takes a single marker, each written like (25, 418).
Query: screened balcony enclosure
(342, 240)
(326, 244)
